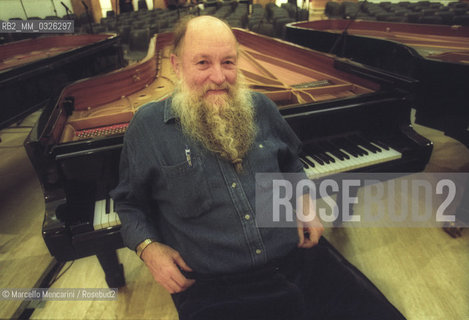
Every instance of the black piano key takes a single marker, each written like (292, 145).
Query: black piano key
(318, 154)
(363, 151)
(312, 152)
(365, 144)
(310, 163)
(358, 150)
(370, 147)
(333, 150)
(305, 165)
(373, 146)
(316, 158)
(108, 205)
(338, 147)
(321, 152)
(327, 157)
(380, 144)
(347, 146)
(341, 143)
(357, 141)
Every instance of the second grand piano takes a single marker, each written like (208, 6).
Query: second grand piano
(435, 55)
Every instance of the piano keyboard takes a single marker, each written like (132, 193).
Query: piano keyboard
(104, 214)
(344, 154)
(102, 131)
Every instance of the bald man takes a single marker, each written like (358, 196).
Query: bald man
(186, 198)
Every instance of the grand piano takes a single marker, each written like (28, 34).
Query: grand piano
(36, 69)
(437, 56)
(348, 121)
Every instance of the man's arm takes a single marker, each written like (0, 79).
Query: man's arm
(310, 227)
(132, 205)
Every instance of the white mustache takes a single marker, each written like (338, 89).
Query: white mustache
(210, 87)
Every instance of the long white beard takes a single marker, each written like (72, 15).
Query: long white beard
(223, 124)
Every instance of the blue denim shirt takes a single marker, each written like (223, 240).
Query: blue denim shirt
(206, 210)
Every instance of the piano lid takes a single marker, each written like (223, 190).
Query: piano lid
(29, 54)
(437, 56)
(438, 42)
(32, 70)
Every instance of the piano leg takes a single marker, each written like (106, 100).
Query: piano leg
(453, 230)
(113, 270)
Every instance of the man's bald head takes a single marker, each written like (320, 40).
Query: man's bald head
(191, 26)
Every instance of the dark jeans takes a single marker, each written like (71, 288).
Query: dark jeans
(315, 283)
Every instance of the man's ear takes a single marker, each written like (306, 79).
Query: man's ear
(175, 62)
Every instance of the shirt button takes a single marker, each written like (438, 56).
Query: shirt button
(258, 251)
(247, 217)
(233, 185)
(261, 146)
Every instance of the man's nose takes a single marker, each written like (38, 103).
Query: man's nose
(217, 75)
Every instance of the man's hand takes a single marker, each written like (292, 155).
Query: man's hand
(163, 262)
(310, 227)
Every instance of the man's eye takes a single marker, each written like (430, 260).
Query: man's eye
(202, 62)
(229, 62)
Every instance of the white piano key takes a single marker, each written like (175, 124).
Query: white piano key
(98, 209)
(113, 217)
(101, 219)
(104, 217)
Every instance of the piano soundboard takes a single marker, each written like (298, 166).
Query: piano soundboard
(104, 214)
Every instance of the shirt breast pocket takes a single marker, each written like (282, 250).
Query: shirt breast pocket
(264, 157)
(186, 190)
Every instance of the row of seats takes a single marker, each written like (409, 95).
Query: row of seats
(455, 13)
(271, 20)
(136, 28)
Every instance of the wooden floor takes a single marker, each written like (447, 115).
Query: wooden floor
(23, 254)
(423, 272)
